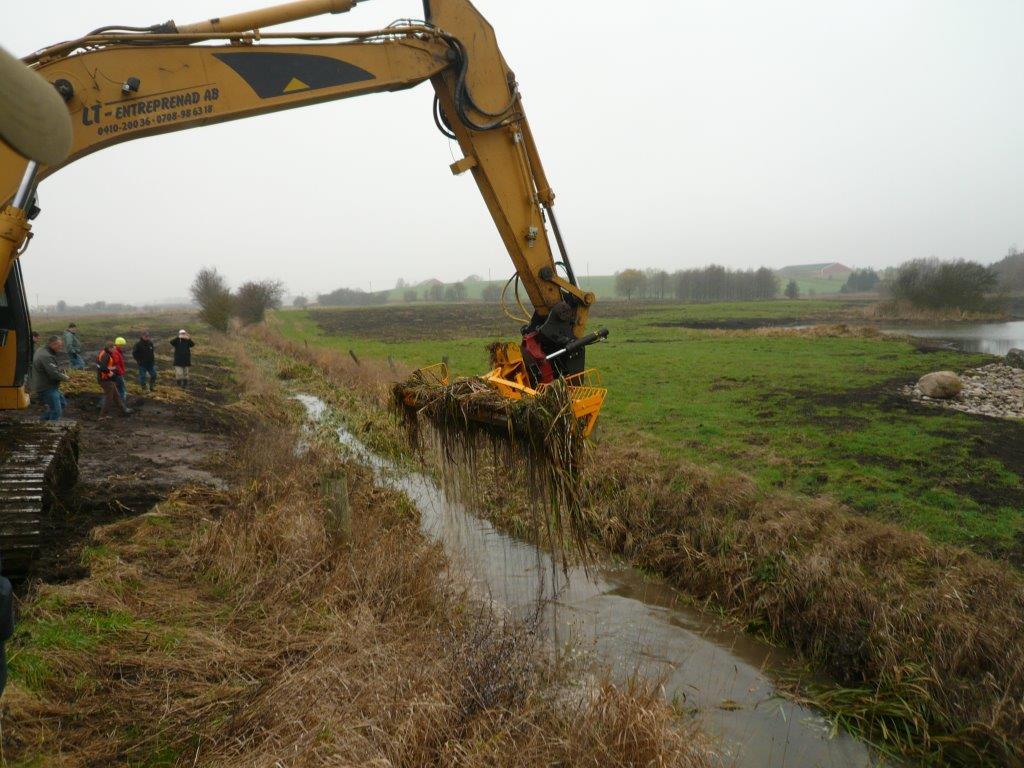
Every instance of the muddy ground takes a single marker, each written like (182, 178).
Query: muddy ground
(129, 463)
(417, 321)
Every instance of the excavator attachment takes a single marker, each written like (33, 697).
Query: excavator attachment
(511, 380)
(507, 382)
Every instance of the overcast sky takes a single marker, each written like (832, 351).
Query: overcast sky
(675, 133)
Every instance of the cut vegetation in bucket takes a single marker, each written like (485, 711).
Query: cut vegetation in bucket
(538, 440)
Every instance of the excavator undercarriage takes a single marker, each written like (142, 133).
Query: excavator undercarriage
(38, 465)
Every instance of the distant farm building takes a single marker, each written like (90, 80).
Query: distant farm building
(834, 271)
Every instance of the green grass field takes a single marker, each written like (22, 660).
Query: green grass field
(808, 414)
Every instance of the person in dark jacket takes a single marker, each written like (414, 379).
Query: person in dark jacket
(73, 346)
(144, 355)
(47, 374)
(182, 357)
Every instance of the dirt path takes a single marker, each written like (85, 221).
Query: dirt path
(128, 464)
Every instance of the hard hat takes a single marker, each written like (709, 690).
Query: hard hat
(33, 117)
(120, 341)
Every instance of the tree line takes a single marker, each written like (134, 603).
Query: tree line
(925, 283)
(711, 283)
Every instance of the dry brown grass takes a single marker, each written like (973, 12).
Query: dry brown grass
(825, 330)
(369, 377)
(925, 639)
(905, 311)
(227, 628)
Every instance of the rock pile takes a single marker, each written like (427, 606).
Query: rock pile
(991, 390)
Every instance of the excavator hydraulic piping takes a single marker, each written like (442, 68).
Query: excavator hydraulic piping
(550, 209)
(23, 197)
(586, 341)
(269, 17)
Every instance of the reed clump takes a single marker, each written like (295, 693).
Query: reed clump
(538, 439)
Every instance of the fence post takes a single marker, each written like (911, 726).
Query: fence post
(339, 516)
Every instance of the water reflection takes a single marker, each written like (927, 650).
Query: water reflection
(987, 338)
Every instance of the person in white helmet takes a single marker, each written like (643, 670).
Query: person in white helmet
(182, 344)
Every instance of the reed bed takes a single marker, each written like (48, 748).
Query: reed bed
(923, 640)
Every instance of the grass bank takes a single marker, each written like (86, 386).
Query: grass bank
(231, 627)
(922, 636)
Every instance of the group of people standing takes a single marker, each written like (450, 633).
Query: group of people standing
(51, 362)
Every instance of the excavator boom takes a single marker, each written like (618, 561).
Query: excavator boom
(119, 84)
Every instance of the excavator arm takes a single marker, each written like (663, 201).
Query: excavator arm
(120, 85)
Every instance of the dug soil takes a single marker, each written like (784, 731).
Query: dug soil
(416, 322)
(127, 464)
(733, 324)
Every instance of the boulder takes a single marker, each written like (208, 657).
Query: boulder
(1015, 358)
(941, 385)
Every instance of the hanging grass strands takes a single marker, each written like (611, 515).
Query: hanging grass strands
(536, 438)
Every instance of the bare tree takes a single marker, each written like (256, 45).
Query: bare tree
(491, 292)
(210, 291)
(254, 298)
(657, 283)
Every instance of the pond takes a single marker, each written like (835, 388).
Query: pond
(987, 338)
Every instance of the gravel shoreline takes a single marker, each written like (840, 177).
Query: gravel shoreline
(992, 390)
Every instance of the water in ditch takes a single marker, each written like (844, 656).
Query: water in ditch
(633, 623)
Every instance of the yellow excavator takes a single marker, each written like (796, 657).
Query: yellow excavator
(120, 83)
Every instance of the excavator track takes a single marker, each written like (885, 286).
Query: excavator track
(38, 462)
